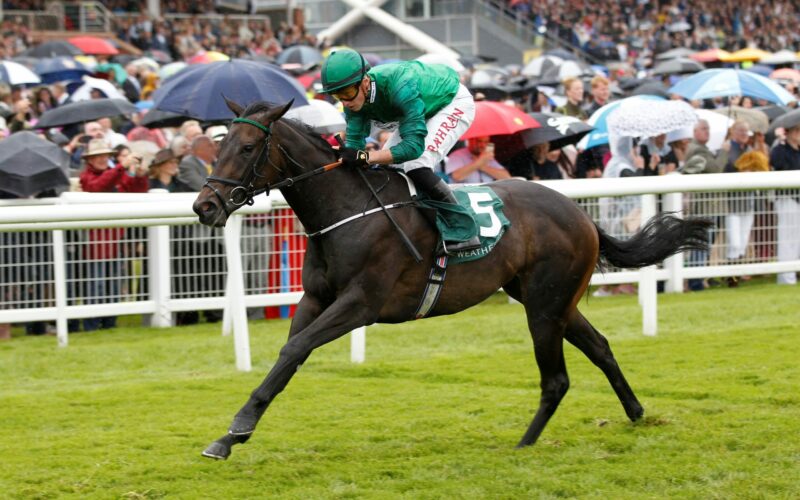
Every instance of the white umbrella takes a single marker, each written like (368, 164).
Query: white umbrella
(16, 74)
(321, 116)
(637, 119)
(442, 59)
(567, 69)
(539, 65)
(781, 57)
(84, 92)
(170, 69)
(146, 62)
(718, 125)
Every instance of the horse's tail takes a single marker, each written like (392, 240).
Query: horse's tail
(662, 236)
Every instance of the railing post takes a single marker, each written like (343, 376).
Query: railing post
(648, 297)
(358, 345)
(60, 287)
(159, 258)
(235, 298)
(673, 202)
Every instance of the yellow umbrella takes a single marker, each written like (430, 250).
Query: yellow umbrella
(748, 54)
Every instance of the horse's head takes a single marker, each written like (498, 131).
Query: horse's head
(246, 164)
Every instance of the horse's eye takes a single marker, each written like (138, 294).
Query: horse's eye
(249, 148)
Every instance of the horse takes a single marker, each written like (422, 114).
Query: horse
(359, 273)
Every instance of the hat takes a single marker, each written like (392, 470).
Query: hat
(97, 147)
(217, 132)
(163, 156)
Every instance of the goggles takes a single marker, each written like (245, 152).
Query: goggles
(348, 93)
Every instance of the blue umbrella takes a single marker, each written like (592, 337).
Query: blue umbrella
(598, 120)
(197, 90)
(729, 82)
(60, 69)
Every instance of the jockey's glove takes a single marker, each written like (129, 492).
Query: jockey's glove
(352, 157)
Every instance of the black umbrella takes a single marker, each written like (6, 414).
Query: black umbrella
(84, 111)
(53, 48)
(651, 88)
(155, 118)
(557, 129)
(773, 111)
(678, 66)
(787, 121)
(30, 165)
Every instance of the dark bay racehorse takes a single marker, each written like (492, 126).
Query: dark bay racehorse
(360, 273)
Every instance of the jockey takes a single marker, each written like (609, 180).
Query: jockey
(425, 102)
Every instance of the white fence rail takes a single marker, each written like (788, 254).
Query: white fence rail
(58, 262)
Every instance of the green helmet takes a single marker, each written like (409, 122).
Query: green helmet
(342, 68)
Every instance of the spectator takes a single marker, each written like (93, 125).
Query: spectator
(22, 119)
(102, 249)
(163, 172)
(573, 88)
(533, 164)
(112, 138)
(475, 163)
(786, 157)
(654, 151)
(217, 133)
(600, 94)
(197, 165)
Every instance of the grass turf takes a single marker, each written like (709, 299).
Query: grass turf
(433, 413)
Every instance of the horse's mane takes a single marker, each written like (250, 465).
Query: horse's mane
(302, 128)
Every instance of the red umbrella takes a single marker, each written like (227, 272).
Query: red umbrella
(495, 118)
(785, 74)
(93, 45)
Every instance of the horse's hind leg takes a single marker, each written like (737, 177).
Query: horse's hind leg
(547, 334)
(582, 334)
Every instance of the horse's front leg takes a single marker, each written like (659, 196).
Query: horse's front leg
(350, 311)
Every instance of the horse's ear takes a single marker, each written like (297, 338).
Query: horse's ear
(236, 108)
(276, 113)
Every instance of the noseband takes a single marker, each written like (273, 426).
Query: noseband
(244, 190)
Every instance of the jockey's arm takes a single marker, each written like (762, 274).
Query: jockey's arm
(381, 157)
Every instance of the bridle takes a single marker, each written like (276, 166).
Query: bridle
(244, 190)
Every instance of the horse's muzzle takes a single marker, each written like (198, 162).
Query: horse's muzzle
(210, 213)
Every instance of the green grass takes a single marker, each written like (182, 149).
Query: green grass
(433, 413)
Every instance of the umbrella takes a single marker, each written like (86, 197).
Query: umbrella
(772, 111)
(299, 54)
(566, 70)
(787, 121)
(785, 74)
(112, 69)
(599, 120)
(84, 111)
(710, 55)
(678, 65)
(557, 129)
(59, 69)
(561, 53)
(30, 165)
(680, 52)
(372, 58)
(197, 91)
(16, 74)
(759, 69)
(442, 59)
(170, 69)
(159, 56)
(155, 118)
(679, 26)
(633, 119)
(321, 116)
(147, 63)
(781, 57)
(748, 54)
(652, 87)
(208, 57)
(84, 92)
(729, 82)
(93, 45)
(758, 120)
(718, 127)
(494, 118)
(53, 48)
(539, 65)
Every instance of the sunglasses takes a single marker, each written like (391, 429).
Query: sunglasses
(348, 93)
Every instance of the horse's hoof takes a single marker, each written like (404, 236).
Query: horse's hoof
(636, 413)
(242, 426)
(217, 451)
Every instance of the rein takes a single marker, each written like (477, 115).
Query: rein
(244, 190)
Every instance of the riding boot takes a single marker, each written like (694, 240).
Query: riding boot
(438, 190)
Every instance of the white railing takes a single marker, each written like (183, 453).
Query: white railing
(244, 255)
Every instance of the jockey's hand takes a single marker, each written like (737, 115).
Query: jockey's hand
(354, 158)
